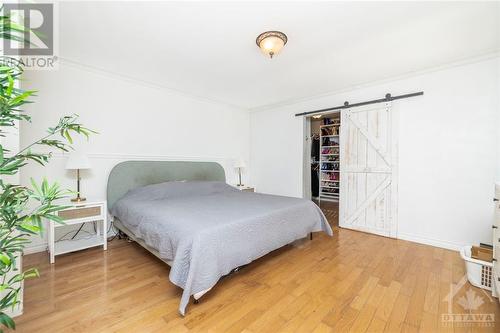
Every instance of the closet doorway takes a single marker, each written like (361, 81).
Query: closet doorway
(324, 163)
(350, 167)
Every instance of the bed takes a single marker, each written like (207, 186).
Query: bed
(186, 215)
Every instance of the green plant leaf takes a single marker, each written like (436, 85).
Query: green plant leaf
(5, 259)
(31, 273)
(10, 87)
(7, 321)
(29, 228)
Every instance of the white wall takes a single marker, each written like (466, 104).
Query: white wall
(134, 121)
(498, 111)
(449, 146)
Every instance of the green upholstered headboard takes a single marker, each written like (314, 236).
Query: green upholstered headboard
(132, 174)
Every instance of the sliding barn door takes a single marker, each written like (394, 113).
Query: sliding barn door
(368, 165)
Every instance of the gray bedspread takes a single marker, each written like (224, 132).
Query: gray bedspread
(209, 228)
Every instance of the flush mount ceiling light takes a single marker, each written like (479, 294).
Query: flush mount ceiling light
(271, 42)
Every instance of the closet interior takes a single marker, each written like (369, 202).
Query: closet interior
(325, 157)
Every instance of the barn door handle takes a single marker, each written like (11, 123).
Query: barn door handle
(495, 199)
(494, 226)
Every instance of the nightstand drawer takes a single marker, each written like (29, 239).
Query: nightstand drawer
(79, 213)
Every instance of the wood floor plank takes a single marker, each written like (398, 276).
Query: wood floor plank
(377, 325)
(398, 314)
(430, 322)
(431, 301)
(363, 319)
(386, 305)
(322, 328)
(359, 301)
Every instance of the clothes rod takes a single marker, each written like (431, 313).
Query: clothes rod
(346, 105)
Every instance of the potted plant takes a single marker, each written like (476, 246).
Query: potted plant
(23, 208)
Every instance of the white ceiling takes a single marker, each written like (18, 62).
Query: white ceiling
(208, 49)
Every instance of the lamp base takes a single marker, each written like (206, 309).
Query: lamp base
(78, 199)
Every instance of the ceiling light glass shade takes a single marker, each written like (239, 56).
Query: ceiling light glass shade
(271, 42)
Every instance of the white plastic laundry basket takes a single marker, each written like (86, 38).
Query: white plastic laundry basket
(479, 272)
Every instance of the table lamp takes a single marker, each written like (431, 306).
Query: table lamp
(240, 164)
(77, 161)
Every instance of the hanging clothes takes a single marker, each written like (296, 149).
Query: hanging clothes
(315, 148)
(315, 179)
(315, 153)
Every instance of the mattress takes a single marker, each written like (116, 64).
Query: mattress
(206, 229)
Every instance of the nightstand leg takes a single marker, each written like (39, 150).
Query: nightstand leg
(105, 231)
(51, 242)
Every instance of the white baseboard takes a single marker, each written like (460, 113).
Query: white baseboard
(430, 241)
(35, 249)
(18, 310)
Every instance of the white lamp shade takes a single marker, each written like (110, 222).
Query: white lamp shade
(240, 163)
(77, 160)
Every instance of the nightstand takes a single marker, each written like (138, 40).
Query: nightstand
(245, 188)
(78, 213)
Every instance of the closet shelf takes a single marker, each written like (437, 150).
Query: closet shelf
(329, 146)
(331, 195)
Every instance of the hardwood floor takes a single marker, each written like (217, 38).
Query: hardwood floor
(351, 282)
(331, 211)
